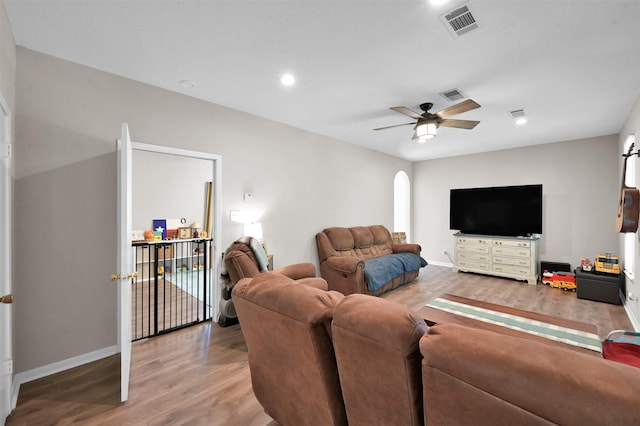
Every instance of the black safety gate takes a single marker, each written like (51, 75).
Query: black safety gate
(172, 287)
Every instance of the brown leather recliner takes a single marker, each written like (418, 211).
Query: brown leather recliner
(377, 348)
(240, 262)
(286, 326)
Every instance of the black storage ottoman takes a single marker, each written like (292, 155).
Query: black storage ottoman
(598, 287)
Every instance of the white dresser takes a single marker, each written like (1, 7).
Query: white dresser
(511, 257)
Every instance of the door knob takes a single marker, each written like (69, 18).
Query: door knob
(7, 298)
(116, 277)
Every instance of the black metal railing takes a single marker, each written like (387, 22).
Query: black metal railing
(172, 289)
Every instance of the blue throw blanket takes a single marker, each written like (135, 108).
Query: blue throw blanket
(381, 270)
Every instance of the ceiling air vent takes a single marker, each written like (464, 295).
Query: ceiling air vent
(460, 20)
(519, 116)
(518, 113)
(453, 95)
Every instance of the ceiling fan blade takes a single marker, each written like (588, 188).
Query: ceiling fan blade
(458, 108)
(406, 111)
(395, 125)
(459, 124)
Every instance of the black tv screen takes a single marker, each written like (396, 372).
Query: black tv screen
(504, 210)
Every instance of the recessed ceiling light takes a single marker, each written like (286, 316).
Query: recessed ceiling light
(287, 80)
(187, 84)
(438, 2)
(521, 121)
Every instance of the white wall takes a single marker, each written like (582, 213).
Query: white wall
(579, 181)
(7, 59)
(632, 285)
(68, 119)
(168, 187)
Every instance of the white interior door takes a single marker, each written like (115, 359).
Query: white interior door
(124, 266)
(6, 324)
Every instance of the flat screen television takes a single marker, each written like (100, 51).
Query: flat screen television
(500, 211)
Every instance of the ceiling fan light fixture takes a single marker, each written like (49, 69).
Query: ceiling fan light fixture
(425, 131)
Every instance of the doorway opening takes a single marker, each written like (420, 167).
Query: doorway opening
(172, 247)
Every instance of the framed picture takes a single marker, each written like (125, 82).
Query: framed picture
(172, 234)
(161, 226)
(184, 233)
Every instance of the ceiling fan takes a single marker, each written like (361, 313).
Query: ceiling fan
(427, 123)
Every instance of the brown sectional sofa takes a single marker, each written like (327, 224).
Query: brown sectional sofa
(505, 380)
(343, 252)
(320, 358)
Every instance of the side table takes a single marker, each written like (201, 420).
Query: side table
(598, 287)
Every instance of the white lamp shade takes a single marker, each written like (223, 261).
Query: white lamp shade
(425, 131)
(253, 230)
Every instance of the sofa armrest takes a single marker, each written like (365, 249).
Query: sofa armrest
(407, 248)
(346, 264)
(298, 270)
(344, 274)
(318, 283)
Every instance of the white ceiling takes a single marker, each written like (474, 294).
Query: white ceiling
(574, 66)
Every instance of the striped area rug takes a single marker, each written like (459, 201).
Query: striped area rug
(550, 331)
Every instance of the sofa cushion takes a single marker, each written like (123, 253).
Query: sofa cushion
(364, 242)
(341, 238)
(376, 344)
(362, 237)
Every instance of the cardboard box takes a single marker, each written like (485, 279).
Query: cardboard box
(165, 252)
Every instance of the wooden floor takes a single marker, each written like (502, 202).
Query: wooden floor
(176, 308)
(199, 375)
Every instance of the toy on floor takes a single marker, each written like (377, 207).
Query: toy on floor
(563, 280)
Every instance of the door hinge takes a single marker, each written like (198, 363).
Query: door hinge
(6, 151)
(6, 367)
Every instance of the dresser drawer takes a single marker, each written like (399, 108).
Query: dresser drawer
(511, 251)
(482, 257)
(512, 269)
(517, 261)
(462, 264)
(472, 248)
(511, 243)
(473, 240)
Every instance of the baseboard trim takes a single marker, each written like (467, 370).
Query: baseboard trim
(632, 318)
(56, 367)
(435, 262)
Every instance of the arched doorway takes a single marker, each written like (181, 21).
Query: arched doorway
(402, 204)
